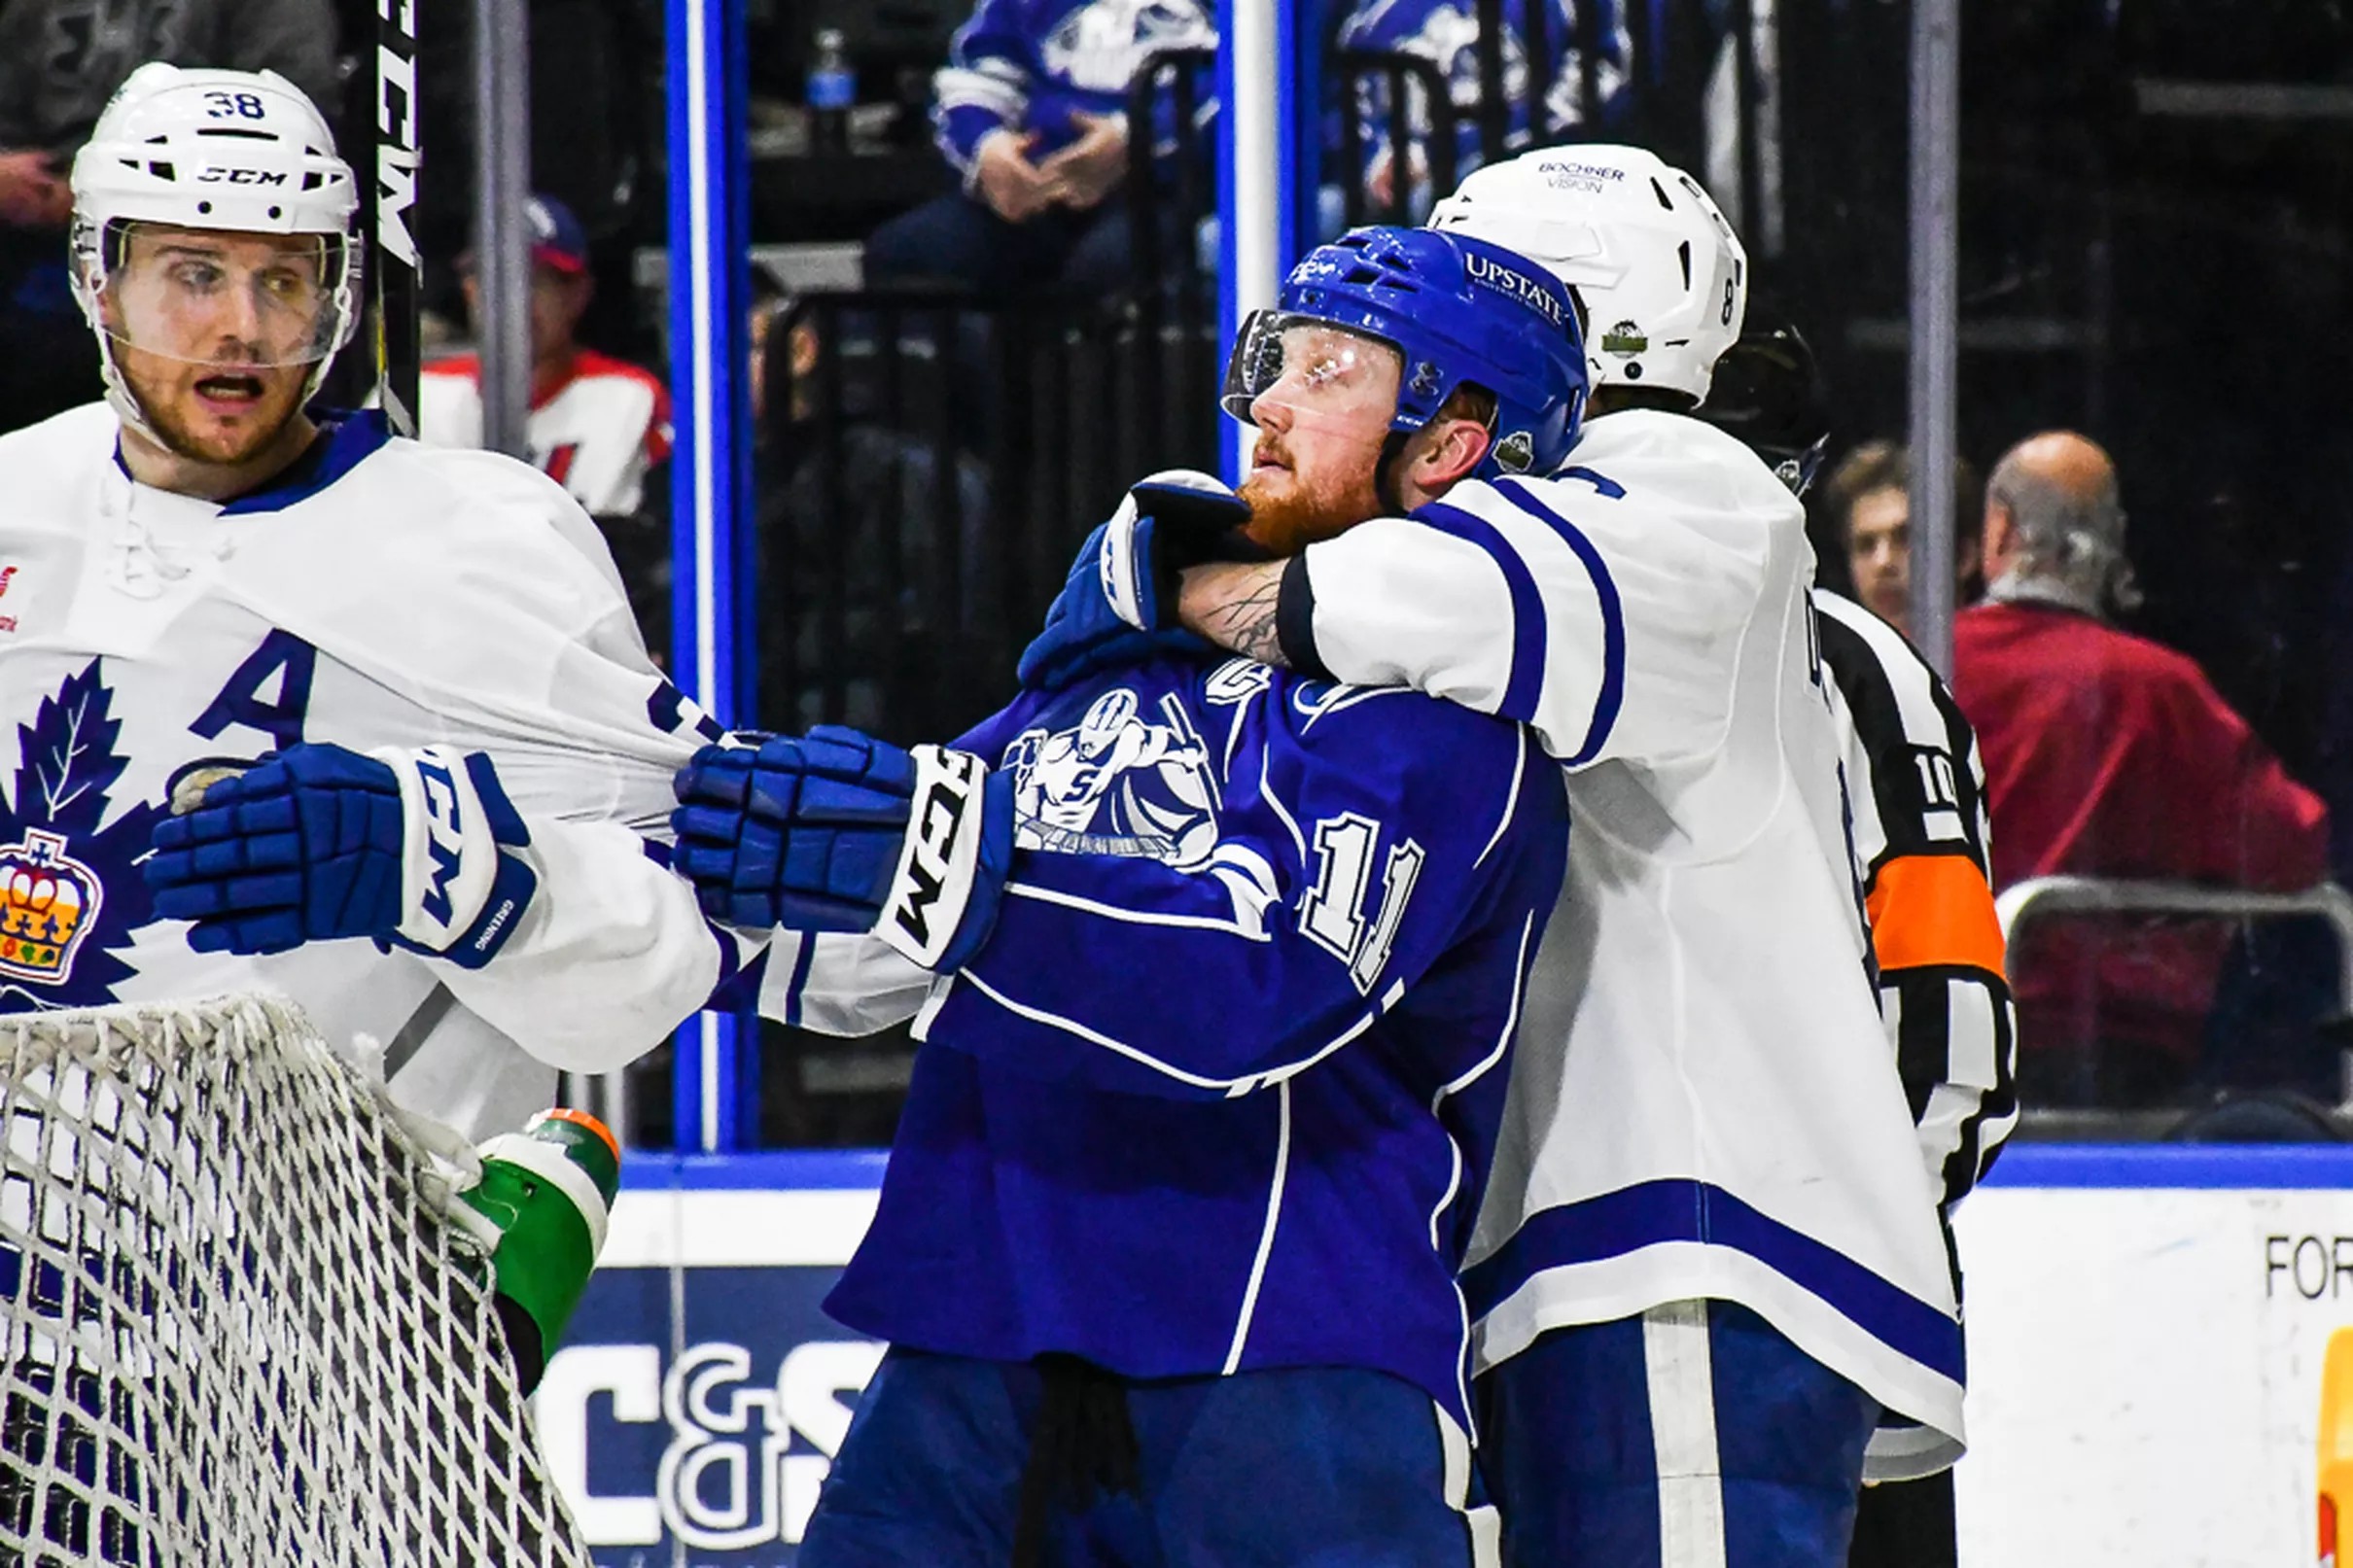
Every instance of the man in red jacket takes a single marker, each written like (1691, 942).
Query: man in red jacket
(2107, 756)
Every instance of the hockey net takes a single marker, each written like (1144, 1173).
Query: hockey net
(238, 1328)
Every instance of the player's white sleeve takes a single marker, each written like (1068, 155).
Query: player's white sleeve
(522, 647)
(612, 955)
(1592, 612)
(841, 983)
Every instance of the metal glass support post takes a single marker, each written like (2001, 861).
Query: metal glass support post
(501, 234)
(711, 472)
(1936, 129)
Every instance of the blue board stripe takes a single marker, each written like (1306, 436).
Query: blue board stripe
(2246, 1166)
(761, 1170)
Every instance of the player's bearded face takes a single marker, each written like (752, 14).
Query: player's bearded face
(1323, 415)
(216, 334)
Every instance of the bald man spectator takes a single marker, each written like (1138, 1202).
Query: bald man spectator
(1866, 504)
(2108, 755)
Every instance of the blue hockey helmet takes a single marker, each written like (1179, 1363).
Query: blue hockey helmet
(1456, 311)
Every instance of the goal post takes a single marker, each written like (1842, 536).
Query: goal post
(235, 1326)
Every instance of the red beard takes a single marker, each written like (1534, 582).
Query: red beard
(1288, 521)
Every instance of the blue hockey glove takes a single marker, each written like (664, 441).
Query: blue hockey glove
(1125, 578)
(837, 832)
(316, 842)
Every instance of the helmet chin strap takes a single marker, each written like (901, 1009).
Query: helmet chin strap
(118, 394)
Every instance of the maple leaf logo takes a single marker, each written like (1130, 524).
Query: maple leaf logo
(70, 891)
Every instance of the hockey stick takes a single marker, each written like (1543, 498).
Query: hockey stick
(391, 248)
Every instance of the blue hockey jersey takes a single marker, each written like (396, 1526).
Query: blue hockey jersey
(1221, 1092)
(1028, 65)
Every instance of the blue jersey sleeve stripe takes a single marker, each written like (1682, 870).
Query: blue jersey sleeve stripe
(1612, 695)
(799, 981)
(1648, 1213)
(1526, 684)
(738, 982)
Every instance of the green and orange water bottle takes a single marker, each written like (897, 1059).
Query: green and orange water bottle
(547, 1190)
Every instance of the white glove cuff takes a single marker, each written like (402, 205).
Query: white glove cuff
(449, 857)
(932, 888)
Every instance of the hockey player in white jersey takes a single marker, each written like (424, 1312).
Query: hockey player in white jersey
(1712, 1255)
(428, 652)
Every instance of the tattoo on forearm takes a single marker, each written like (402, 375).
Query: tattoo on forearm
(1239, 613)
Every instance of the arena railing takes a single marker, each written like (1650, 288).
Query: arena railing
(2041, 897)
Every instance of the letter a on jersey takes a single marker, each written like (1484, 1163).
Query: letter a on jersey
(292, 662)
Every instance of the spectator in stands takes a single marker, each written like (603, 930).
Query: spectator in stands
(59, 61)
(1446, 33)
(598, 426)
(1868, 505)
(1033, 114)
(2107, 756)
(853, 530)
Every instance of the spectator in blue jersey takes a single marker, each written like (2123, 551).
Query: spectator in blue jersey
(1218, 970)
(1446, 33)
(1032, 113)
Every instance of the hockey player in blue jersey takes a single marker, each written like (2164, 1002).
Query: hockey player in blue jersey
(1219, 971)
(1709, 1255)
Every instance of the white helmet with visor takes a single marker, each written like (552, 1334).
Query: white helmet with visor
(1663, 277)
(201, 150)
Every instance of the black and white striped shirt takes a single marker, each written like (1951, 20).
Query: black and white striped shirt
(1921, 833)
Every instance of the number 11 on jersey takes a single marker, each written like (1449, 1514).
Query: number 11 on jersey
(1332, 914)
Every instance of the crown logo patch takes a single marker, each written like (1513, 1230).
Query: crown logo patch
(49, 902)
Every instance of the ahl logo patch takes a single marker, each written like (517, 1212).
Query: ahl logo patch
(1627, 337)
(70, 895)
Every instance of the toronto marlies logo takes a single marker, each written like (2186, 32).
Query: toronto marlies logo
(1117, 783)
(69, 895)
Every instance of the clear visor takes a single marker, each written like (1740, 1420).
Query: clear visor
(1314, 372)
(246, 301)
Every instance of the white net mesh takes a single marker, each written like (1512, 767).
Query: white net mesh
(235, 1326)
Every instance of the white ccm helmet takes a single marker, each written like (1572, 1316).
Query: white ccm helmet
(1662, 276)
(238, 151)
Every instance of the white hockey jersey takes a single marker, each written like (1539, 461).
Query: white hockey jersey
(380, 593)
(1704, 1103)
